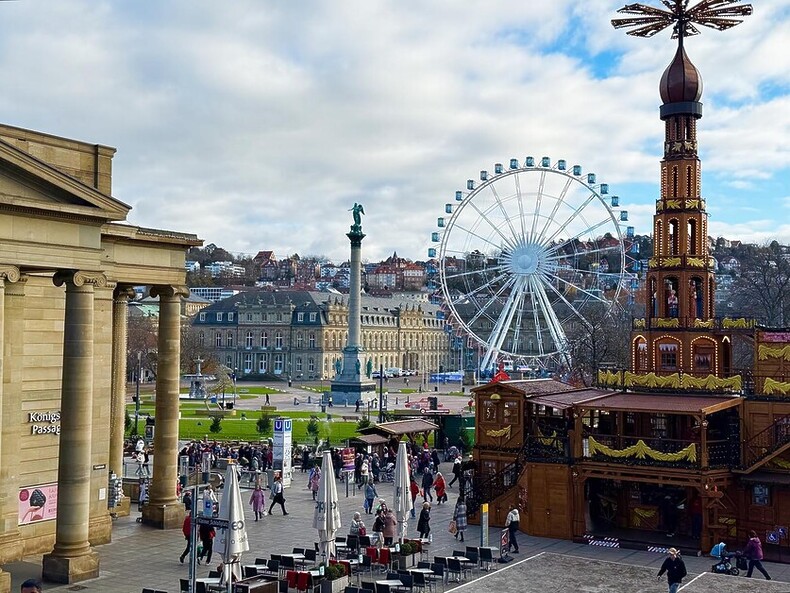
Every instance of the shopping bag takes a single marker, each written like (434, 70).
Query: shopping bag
(452, 528)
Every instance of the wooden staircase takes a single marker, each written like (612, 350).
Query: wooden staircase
(767, 444)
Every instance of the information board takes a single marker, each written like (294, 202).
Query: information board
(282, 455)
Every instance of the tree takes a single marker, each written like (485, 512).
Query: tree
(602, 337)
(216, 424)
(264, 424)
(762, 290)
(313, 427)
(142, 337)
(193, 348)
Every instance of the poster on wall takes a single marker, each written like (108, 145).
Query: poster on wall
(38, 503)
(348, 456)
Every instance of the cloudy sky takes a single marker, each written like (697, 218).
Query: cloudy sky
(258, 123)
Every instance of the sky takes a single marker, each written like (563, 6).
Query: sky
(257, 124)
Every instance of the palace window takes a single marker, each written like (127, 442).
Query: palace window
(299, 364)
(278, 340)
(248, 340)
(202, 317)
(230, 316)
(299, 340)
(229, 340)
(219, 316)
(278, 363)
(311, 340)
(247, 363)
(202, 339)
(262, 365)
(264, 340)
(218, 340)
(310, 365)
(313, 317)
(300, 317)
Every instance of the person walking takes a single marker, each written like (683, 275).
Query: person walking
(390, 526)
(277, 495)
(459, 516)
(424, 522)
(675, 569)
(414, 489)
(427, 482)
(206, 533)
(186, 529)
(440, 487)
(456, 471)
(313, 482)
(357, 526)
(512, 523)
(209, 500)
(370, 496)
(258, 501)
(754, 553)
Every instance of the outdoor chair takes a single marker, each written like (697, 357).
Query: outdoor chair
(214, 574)
(487, 559)
(471, 555)
(310, 555)
(249, 571)
(304, 581)
(454, 568)
(407, 580)
(438, 573)
(440, 560)
(350, 589)
(282, 586)
(287, 563)
(419, 582)
(364, 541)
(298, 551)
(367, 586)
(261, 561)
(200, 587)
(183, 585)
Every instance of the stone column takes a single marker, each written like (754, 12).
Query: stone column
(163, 509)
(354, 299)
(11, 336)
(72, 559)
(120, 309)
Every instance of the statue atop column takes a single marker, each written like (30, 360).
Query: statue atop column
(357, 211)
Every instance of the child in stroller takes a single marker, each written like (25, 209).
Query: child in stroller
(724, 560)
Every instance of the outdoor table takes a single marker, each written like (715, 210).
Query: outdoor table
(389, 583)
(299, 559)
(422, 570)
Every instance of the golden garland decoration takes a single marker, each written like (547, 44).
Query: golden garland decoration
(675, 204)
(667, 322)
(641, 451)
(548, 441)
(741, 323)
(639, 323)
(652, 380)
(765, 352)
(778, 462)
(712, 382)
(671, 262)
(771, 387)
(639, 515)
(709, 324)
(697, 262)
(609, 378)
(503, 432)
(673, 381)
(692, 203)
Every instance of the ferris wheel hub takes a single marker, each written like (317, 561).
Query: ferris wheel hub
(525, 260)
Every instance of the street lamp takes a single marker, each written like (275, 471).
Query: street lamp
(137, 394)
(235, 371)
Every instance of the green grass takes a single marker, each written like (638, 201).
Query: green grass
(236, 428)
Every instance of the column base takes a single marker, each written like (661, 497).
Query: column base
(60, 569)
(12, 548)
(124, 507)
(5, 582)
(100, 530)
(166, 516)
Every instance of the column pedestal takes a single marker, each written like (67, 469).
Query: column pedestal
(164, 510)
(72, 559)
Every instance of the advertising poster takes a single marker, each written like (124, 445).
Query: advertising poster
(282, 454)
(38, 503)
(348, 456)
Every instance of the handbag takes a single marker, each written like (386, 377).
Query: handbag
(452, 528)
(363, 530)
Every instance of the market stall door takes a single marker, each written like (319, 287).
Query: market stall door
(550, 501)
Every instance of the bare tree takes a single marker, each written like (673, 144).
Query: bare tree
(141, 345)
(603, 337)
(762, 290)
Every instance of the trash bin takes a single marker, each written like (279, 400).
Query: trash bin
(229, 406)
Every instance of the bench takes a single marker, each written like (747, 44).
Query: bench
(350, 418)
(268, 408)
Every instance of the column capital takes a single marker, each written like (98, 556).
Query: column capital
(123, 292)
(9, 273)
(80, 278)
(169, 291)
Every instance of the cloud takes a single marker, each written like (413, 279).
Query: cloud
(257, 125)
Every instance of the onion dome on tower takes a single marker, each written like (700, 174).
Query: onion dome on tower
(681, 81)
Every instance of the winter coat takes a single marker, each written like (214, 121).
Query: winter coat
(675, 569)
(207, 533)
(423, 523)
(459, 515)
(257, 500)
(427, 480)
(355, 527)
(754, 549)
(370, 491)
(439, 485)
(315, 480)
(414, 489)
(390, 525)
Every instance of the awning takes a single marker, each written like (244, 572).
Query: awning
(400, 427)
(665, 404)
(371, 439)
(766, 477)
(564, 401)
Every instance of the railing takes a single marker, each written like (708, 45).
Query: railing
(693, 323)
(486, 488)
(634, 450)
(766, 441)
(723, 453)
(547, 449)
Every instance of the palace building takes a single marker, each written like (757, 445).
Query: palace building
(682, 448)
(68, 262)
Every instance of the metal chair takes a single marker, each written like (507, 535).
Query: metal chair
(439, 570)
(310, 555)
(419, 582)
(183, 585)
(487, 559)
(297, 551)
(249, 571)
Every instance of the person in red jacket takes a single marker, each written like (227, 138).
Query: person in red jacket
(414, 489)
(186, 529)
(754, 552)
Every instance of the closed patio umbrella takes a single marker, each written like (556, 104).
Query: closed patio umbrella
(232, 542)
(326, 518)
(402, 501)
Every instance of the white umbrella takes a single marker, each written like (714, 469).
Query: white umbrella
(402, 500)
(326, 518)
(233, 540)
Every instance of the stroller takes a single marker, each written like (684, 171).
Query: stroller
(728, 562)
(388, 473)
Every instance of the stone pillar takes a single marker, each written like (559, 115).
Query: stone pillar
(72, 559)
(11, 339)
(355, 287)
(163, 509)
(120, 308)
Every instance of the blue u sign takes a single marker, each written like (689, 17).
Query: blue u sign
(278, 425)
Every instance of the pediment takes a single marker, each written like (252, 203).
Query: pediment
(27, 183)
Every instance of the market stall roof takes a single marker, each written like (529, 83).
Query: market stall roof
(568, 399)
(667, 404)
(529, 387)
(400, 427)
(371, 439)
(766, 477)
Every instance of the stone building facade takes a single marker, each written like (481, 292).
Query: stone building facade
(68, 262)
(300, 334)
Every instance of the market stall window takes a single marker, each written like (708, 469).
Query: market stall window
(761, 495)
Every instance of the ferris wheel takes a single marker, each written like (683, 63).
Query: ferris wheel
(525, 252)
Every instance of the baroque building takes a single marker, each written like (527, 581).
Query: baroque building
(301, 334)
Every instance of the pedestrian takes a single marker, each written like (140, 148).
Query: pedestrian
(675, 569)
(315, 480)
(754, 553)
(414, 489)
(456, 471)
(146, 460)
(356, 406)
(186, 529)
(440, 486)
(512, 523)
(378, 525)
(258, 501)
(187, 500)
(305, 460)
(427, 482)
(424, 522)
(31, 586)
(277, 495)
(209, 500)
(206, 533)
(364, 470)
(357, 526)
(390, 526)
(140, 459)
(370, 496)
(459, 516)
(267, 399)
